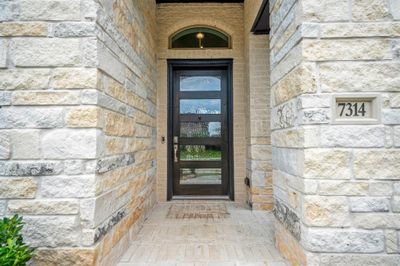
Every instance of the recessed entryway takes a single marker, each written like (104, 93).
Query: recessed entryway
(200, 132)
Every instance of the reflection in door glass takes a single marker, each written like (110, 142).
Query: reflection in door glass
(200, 129)
(200, 106)
(200, 176)
(200, 83)
(199, 152)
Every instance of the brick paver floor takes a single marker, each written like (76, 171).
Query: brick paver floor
(243, 238)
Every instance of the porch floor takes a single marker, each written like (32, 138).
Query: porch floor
(245, 237)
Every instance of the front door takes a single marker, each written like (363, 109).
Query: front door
(200, 137)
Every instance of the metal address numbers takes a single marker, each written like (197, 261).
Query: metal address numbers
(360, 109)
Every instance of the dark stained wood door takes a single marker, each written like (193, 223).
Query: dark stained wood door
(200, 135)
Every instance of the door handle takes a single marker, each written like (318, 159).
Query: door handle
(176, 147)
(176, 153)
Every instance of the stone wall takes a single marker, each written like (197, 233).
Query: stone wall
(229, 18)
(335, 186)
(77, 124)
(258, 164)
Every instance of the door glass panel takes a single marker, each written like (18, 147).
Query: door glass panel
(199, 152)
(200, 129)
(200, 83)
(200, 176)
(200, 106)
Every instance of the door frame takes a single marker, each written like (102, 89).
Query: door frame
(176, 64)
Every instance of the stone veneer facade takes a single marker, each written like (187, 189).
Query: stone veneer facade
(336, 187)
(83, 100)
(77, 124)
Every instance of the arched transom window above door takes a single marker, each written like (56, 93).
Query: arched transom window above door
(199, 37)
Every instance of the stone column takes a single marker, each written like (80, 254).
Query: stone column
(77, 124)
(258, 165)
(335, 186)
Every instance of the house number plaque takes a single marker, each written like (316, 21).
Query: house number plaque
(355, 109)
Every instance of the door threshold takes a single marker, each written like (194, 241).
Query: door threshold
(200, 197)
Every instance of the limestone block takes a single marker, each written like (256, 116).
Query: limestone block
(3, 53)
(110, 64)
(376, 220)
(346, 49)
(328, 10)
(396, 136)
(51, 231)
(75, 29)
(396, 204)
(23, 168)
(69, 144)
(43, 207)
(314, 116)
(360, 76)
(78, 186)
(18, 187)
(391, 116)
(83, 117)
(110, 103)
(27, 117)
(326, 211)
(394, 100)
(46, 98)
(88, 236)
(380, 189)
(340, 30)
(280, 14)
(366, 162)
(43, 52)
(77, 167)
(89, 9)
(396, 188)
(370, 10)
(313, 101)
(26, 144)
(6, 8)
(74, 78)
(291, 60)
(3, 207)
(34, 29)
(48, 10)
(395, 9)
(300, 80)
(110, 163)
(284, 116)
(367, 204)
(119, 125)
(5, 147)
(327, 163)
(391, 242)
(342, 188)
(65, 256)
(359, 259)
(353, 136)
(90, 57)
(17, 79)
(287, 160)
(89, 97)
(5, 98)
(344, 240)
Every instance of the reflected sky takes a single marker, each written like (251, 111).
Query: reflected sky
(200, 83)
